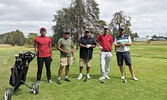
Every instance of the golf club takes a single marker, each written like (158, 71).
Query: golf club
(124, 81)
(85, 80)
(102, 81)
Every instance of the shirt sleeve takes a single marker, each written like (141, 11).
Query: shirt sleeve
(80, 41)
(59, 42)
(129, 39)
(115, 42)
(111, 40)
(93, 42)
(98, 38)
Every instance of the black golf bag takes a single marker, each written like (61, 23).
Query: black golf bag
(19, 72)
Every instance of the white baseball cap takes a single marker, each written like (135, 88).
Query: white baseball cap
(106, 27)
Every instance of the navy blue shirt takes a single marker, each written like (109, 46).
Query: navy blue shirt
(86, 52)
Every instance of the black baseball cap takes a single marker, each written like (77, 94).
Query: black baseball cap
(121, 28)
(86, 31)
(66, 32)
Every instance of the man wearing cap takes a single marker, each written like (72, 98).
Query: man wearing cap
(105, 46)
(122, 43)
(65, 46)
(44, 52)
(86, 44)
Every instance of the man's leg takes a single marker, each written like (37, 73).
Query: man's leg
(108, 60)
(67, 71)
(47, 65)
(80, 75)
(131, 71)
(121, 70)
(60, 71)
(59, 74)
(102, 65)
(40, 61)
(120, 63)
(129, 63)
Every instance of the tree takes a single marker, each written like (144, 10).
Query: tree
(80, 16)
(13, 38)
(30, 39)
(120, 20)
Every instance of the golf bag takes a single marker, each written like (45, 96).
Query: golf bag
(19, 72)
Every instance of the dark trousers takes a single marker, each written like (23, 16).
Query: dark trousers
(40, 61)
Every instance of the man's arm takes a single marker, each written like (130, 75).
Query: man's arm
(81, 45)
(60, 49)
(50, 48)
(72, 51)
(111, 47)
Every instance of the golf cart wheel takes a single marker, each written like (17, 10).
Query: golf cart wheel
(35, 88)
(8, 94)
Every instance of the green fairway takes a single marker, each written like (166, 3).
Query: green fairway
(150, 66)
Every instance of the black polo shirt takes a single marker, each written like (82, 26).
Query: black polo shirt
(86, 52)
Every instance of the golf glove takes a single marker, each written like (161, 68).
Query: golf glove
(88, 45)
(101, 48)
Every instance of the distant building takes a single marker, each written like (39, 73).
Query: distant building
(142, 39)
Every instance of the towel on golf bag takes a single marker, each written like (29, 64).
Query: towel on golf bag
(14, 76)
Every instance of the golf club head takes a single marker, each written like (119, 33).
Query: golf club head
(124, 81)
(102, 81)
(85, 80)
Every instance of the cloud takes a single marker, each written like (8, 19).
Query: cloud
(29, 15)
(149, 17)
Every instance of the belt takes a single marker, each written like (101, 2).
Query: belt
(106, 50)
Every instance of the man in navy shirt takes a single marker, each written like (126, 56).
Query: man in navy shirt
(86, 44)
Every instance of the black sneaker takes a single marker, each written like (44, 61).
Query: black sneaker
(58, 81)
(66, 79)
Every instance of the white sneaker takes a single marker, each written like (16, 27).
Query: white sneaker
(134, 78)
(38, 82)
(123, 77)
(88, 77)
(79, 77)
(101, 78)
(107, 77)
(50, 81)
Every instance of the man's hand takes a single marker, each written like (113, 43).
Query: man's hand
(122, 44)
(88, 45)
(74, 57)
(51, 58)
(101, 48)
(66, 52)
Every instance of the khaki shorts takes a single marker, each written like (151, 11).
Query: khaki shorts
(84, 61)
(64, 61)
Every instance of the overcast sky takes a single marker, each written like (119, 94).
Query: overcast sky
(149, 17)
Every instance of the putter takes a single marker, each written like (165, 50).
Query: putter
(102, 81)
(124, 81)
(85, 80)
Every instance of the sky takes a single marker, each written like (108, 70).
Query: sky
(149, 17)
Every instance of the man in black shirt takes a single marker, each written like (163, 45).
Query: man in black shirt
(86, 44)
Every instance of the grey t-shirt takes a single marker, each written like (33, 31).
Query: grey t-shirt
(66, 44)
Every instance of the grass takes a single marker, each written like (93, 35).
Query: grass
(149, 61)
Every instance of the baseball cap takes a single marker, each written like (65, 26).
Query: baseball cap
(66, 32)
(42, 29)
(121, 28)
(106, 27)
(86, 31)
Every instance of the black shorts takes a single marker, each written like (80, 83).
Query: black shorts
(124, 56)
